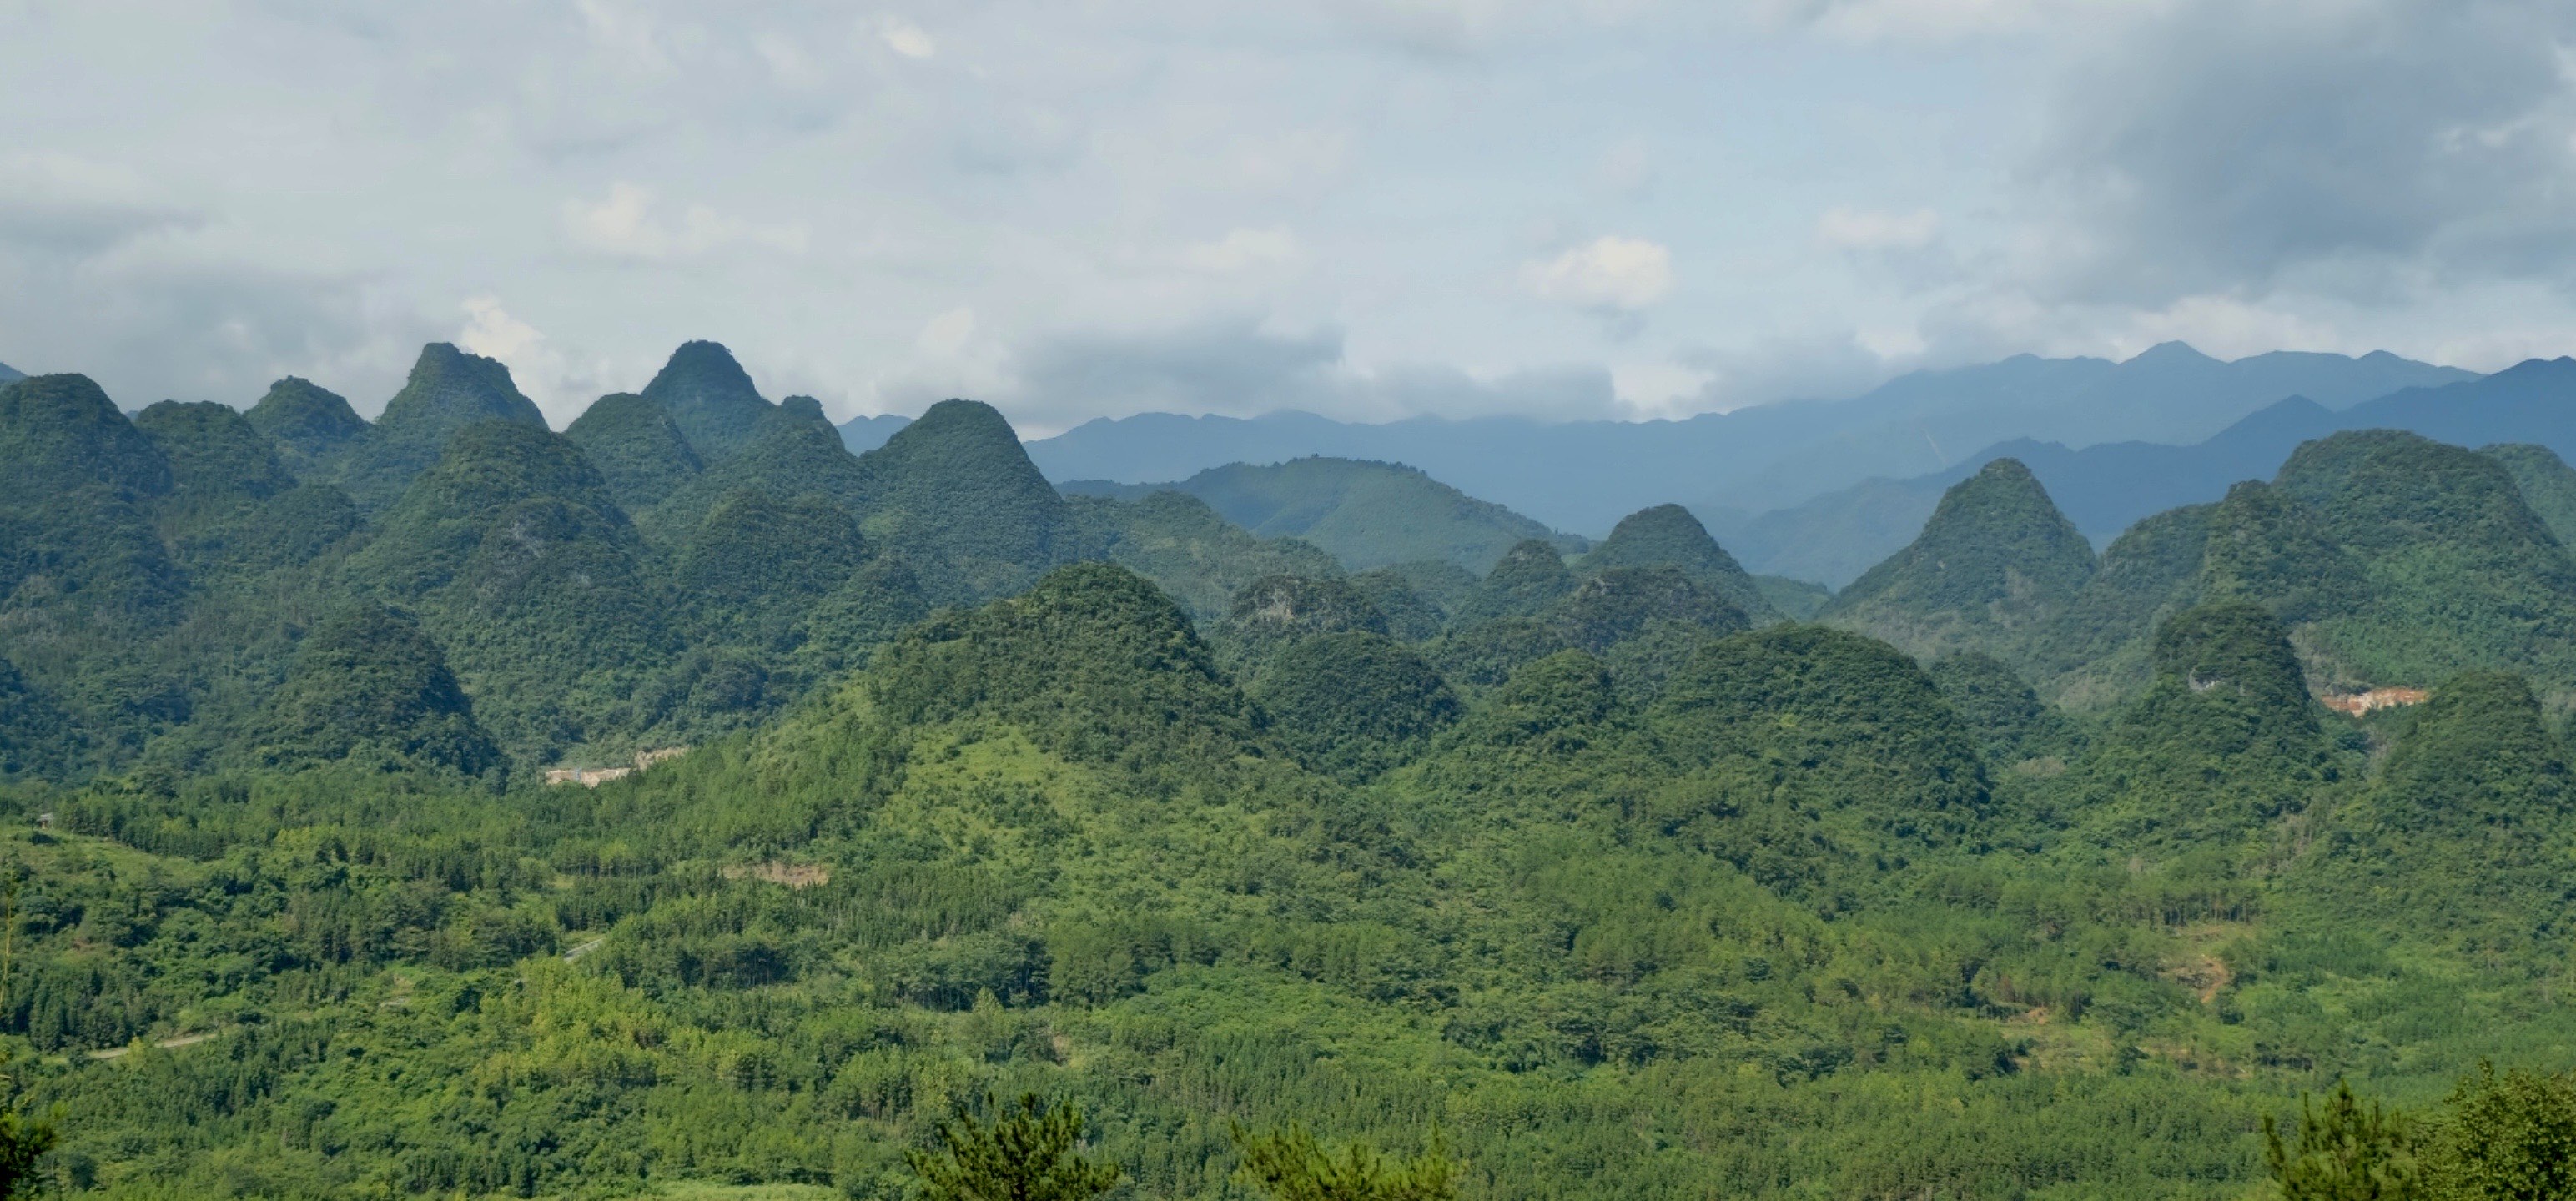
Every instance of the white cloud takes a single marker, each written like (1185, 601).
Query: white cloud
(1608, 273)
(1243, 250)
(548, 375)
(1846, 228)
(626, 225)
(945, 335)
(905, 38)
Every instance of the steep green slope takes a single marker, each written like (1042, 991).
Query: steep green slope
(1363, 513)
(1996, 563)
(1528, 581)
(1352, 704)
(2460, 572)
(521, 565)
(1193, 555)
(709, 397)
(371, 689)
(638, 449)
(60, 433)
(37, 739)
(314, 428)
(448, 390)
(1668, 536)
(2011, 724)
(2223, 742)
(756, 564)
(791, 451)
(2546, 482)
(2467, 832)
(215, 454)
(954, 493)
(1275, 610)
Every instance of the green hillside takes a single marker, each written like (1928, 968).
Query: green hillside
(709, 397)
(954, 492)
(1594, 879)
(1364, 514)
(313, 427)
(448, 390)
(2546, 482)
(1995, 563)
(1668, 536)
(639, 450)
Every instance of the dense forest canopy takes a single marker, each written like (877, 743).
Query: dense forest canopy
(681, 805)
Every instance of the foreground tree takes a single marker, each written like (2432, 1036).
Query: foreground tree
(2352, 1151)
(2509, 1137)
(1026, 1153)
(1290, 1165)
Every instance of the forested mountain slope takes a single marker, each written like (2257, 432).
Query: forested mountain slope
(1595, 873)
(1365, 514)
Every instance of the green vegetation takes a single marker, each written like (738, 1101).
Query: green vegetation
(1996, 563)
(954, 492)
(448, 390)
(637, 448)
(1193, 555)
(709, 399)
(312, 426)
(1668, 536)
(1569, 883)
(1362, 513)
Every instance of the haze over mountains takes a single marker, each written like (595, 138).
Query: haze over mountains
(1582, 476)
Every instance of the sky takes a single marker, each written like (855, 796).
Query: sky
(1572, 209)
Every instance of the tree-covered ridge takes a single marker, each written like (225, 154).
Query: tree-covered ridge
(1566, 877)
(637, 447)
(709, 397)
(1996, 562)
(312, 426)
(954, 491)
(2546, 482)
(448, 390)
(1365, 514)
(1668, 536)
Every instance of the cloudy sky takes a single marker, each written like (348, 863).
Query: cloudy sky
(1577, 208)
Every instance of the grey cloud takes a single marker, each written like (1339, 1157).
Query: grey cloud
(2317, 144)
(1234, 367)
(150, 326)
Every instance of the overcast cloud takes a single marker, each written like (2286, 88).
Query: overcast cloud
(1370, 209)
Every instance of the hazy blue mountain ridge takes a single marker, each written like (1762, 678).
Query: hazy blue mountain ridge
(1583, 476)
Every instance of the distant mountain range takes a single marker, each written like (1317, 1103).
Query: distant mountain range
(1364, 514)
(1583, 476)
(2105, 488)
(10, 375)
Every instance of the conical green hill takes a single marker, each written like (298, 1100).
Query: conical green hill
(710, 397)
(638, 449)
(756, 562)
(424, 540)
(1529, 580)
(2469, 827)
(1995, 562)
(1622, 603)
(2225, 740)
(448, 391)
(2095, 653)
(314, 428)
(1353, 704)
(1199, 558)
(784, 456)
(2266, 546)
(215, 454)
(1828, 722)
(1276, 610)
(956, 495)
(1093, 664)
(369, 685)
(2461, 573)
(2546, 482)
(60, 432)
(1410, 616)
(1668, 536)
